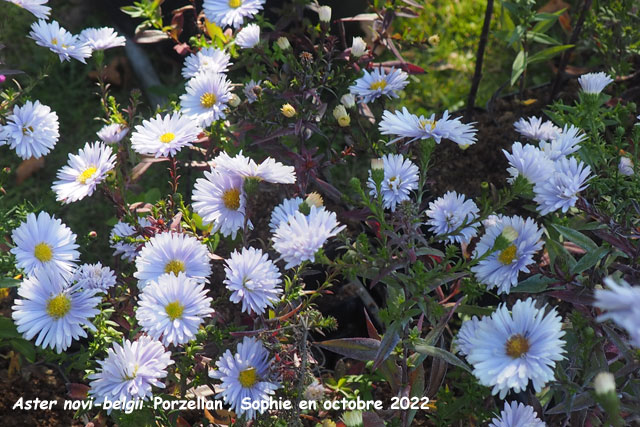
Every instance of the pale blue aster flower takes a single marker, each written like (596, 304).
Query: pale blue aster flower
(620, 303)
(463, 134)
(206, 60)
(560, 190)
(373, 85)
(564, 144)
(163, 136)
(252, 90)
(231, 12)
(283, 211)
(249, 36)
(127, 251)
(517, 414)
(400, 178)
(59, 41)
(268, 170)
(101, 38)
(625, 167)
(594, 83)
(500, 269)
(37, 7)
(534, 128)
(94, 276)
(32, 130)
(245, 375)
(450, 212)
(466, 334)
(528, 161)
(509, 350)
(112, 133)
(206, 99)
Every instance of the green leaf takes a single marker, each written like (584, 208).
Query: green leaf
(25, 348)
(8, 328)
(589, 259)
(533, 285)
(576, 237)
(548, 53)
(441, 353)
(363, 349)
(388, 343)
(518, 67)
(543, 38)
(475, 310)
(9, 282)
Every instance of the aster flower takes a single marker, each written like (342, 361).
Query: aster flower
(625, 166)
(244, 375)
(252, 90)
(112, 133)
(231, 12)
(44, 242)
(101, 38)
(219, 199)
(564, 144)
(400, 178)
(463, 134)
(283, 211)
(130, 371)
(517, 414)
(466, 334)
(84, 172)
(314, 391)
(172, 308)
(450, 212)
(53, 310)
(172, 253)
(594, 83)
(94, 276)
(530, 162)
(560, 190)
(128, 251)
(302, 236)
(207, 60)
(373, 85)
(164, 136)
(59, 41)
(269, 170)
(253, 280)
(501, 268)
(36, 7)
(620, 303)
(249, 36)
(206, 98)
(535, 128)
(32, 130)
(511, 349)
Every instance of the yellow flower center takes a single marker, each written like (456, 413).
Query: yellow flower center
(517, 345)
(378, 85)
(507, 256)
(174, 310)
(344, 121)
(208, 100)
(27, 129)
(54, 41)
(235, 3)
(43, 252)
(86, 174)
(425, 123)
(231, 199)
(174, 266)
(58, 306)
(133, 374)
(166, 138)
(248, 378)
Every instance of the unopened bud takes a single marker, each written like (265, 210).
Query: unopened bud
(348, 100)
(3, 78)
(341, 115)
(93, 234)
(358, 47)
(314, 199)
(287, 110)
(377, 164)
(509, 233)
(283, 43)
(604, 383)
(324, 13)
(234, 100)
(625, 167)
(434, 40)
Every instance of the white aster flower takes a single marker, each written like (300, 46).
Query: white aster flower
(94, 276)
(283, 211)
(112, 133)
(53, 310)
(314, 391)
(501, 268)
(130, 371)
(517, 414)
(560, 190)
(510, 349)
(625, 166)
(358, 47)
(244, 375)
(32, 130)
(84, 171)
(59, 41)
(594, 83)
(463, 134)
(249, 36)
(253, 280)
(128, 251)
(620, 303)
(252, 91)
(172, 253)
(37, 7)
(231, 12)
(164, 136)
(400, 178)
(208, 60)
(373, 85)
(172, 308)
(206, 98)
(530, 162)
(298, 239)
(269, 170)
(565, 143)
(101, 38)
(466, 334)
(450, 212)
(535, 128)
(45, 243)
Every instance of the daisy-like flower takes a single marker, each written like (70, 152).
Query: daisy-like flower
(625, 166)
(535, 128)
(373, 85)
(528, 161)
(620, 303)
(252, 90)
(253, 280)
(172, 253)
(45, 243)
(501, 268)
(466, 335)
(517, 414)
(463, 134)
(298, 239)
(172, 308)
(219, 199)
(244, 375)
(564, 144)
(314, 391)
(231, 12)
(206, 98)
(84, 172)
(59, 41)
(164, 136)
(510, 349)
(102, 38)
(113, 133)
(127, 251)
(130, 371)
(37, 7)
(594, 83)
(32, 130)
(560, 190)
(53, 310)
(94, 276)
(249, 36)
(450, 212)
(283, 211)
(269, 170)
(208, 60)
(400, 178)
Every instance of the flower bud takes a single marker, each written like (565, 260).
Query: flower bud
(287, 110)
(625, 167)
(234, 100)
(434, 40)
(2, 78)
(314, 199)
(358, 47)
(324, 13)
(283, 43)
(604, 383)
(348, 100)
(509, 233)
(341, 115)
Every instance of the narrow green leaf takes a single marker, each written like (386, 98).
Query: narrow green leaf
(9, 282)
(548, 53)
(388, 343)
(518, 67)
(589, 259)
(24, 347)
(8, 328)
(443, 354)
(533, 285)
(543, 38)
(363, 349)
(576, 237)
